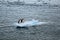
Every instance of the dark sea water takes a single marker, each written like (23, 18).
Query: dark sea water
(10, 15)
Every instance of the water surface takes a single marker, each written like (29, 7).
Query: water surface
(10, 15)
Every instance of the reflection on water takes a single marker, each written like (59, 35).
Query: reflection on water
(10, 15)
